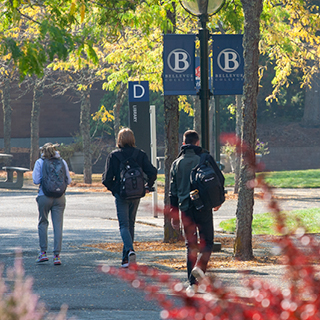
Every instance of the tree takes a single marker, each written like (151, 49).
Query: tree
(56, 22)
(6, 107)
(243, 242)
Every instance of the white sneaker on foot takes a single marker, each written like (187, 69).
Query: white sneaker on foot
(192, 289)
(132, 257)
(198, 273)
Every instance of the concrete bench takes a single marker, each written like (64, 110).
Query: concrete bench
(9, 183)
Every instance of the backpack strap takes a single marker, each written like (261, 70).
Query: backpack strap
(203, 159)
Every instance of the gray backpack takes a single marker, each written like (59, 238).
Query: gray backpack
(54, 180)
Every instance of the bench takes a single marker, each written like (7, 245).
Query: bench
(9, 183)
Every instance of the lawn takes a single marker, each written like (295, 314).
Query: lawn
(264, 223)
(279, 179)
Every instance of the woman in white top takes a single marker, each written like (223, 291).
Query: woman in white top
(47, 203)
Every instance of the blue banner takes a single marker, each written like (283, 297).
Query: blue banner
(228, 64)
(138, 91)
(179, 64)
(198, 74)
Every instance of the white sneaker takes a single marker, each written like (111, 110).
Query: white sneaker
(132, 257)
(198, 273)
(192, 289)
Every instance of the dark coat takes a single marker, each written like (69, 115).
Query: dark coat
(111, 175)
(181, 168)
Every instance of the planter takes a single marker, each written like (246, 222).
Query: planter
(224, 159)
(77, 162)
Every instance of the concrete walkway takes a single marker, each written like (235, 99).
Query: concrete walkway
(90, 217)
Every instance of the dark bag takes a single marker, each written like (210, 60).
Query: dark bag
(206, 189)
(54, 180)
(132, 184)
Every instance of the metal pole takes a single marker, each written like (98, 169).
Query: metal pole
(153, 133)
(217, 129)
(204, 75)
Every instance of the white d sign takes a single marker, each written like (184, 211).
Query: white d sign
(137, 94)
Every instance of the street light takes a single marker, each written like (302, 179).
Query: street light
(203, 9)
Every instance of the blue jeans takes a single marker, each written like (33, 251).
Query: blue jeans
(126, 212)
(197, 254)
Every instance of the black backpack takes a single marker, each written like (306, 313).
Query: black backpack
(132, 184)
(54, 180)
(204, 179)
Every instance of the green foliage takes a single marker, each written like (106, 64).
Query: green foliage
(264, 223)
(294, 179)
(287, 179)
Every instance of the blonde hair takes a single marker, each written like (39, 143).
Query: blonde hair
(48, 150)
(126, 138)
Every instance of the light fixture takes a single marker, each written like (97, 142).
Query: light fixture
(200, 7)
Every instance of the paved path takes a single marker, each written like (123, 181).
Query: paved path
(90, 218)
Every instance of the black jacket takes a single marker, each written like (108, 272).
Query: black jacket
(181, 168)
(111, 175)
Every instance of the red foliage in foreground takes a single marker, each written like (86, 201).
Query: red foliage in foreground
(300, 301)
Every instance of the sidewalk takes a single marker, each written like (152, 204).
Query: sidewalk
(90, 218)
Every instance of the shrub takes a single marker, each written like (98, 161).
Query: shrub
(17, 301)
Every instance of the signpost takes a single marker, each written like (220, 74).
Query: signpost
(139, 116)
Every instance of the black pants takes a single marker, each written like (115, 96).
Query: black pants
(197, 254)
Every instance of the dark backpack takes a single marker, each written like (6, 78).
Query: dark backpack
(204, 179)
(54, 180)
(132, 184)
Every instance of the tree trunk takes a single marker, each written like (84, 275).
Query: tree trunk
(6, 106)
(311, 115)
(243, 241)
(238, 133)
(171, 119)
(35, 121)
(116, 109)
(85, 116)
(171, 129)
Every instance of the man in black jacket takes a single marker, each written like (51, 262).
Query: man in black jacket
(192, 218)
(126, 209)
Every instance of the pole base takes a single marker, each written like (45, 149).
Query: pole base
(216, 247)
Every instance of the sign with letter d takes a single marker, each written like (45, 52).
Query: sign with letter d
(139, 114)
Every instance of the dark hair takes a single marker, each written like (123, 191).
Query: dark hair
(190, 137)
(126, 138)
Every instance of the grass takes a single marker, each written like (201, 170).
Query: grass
(264, 223)
(287, 179)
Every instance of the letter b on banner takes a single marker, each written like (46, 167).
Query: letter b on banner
(139, 114)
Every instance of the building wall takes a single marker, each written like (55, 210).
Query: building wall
(286, 158)
(292, 158)
(59, 117)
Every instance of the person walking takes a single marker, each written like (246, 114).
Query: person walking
(202, 220)
(54, 203)
(127, 208)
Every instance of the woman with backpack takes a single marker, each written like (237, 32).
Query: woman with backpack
(123, 176)
(52, 173)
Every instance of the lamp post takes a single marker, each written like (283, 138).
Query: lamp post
(203, 9)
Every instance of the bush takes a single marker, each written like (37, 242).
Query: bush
(17, 301)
